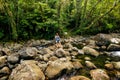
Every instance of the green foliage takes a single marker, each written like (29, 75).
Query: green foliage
(26, 19)
(1, 35)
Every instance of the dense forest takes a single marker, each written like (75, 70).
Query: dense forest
(27, 19)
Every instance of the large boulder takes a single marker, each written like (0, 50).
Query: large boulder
(79, 78)
(27, 70)
(56, 67)
(99, 74)
(91, 51)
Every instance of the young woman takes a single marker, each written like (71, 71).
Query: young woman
(57, 40)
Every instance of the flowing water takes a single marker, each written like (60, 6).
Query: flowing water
(67, 76)
(115, 53)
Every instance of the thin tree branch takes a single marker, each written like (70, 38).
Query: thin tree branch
(92, 9)
(101, 16)
(83, 16)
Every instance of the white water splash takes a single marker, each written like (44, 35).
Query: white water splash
(115, 53)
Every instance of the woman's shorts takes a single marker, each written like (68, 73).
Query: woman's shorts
(57, 41)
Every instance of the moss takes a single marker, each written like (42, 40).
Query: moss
(98, 61)
(111, 73)
(81, 57)
(84, 72)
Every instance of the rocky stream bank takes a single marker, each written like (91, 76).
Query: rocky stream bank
(80, 58)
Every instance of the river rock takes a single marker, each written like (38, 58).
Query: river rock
(14, 58)
(102, 39)
(5, 70)
(47, 56)
(79, 78)
(6, 51)
(79, 43)
(27, 70)
(87, 58)
(42, 66)
(74, 53)
(109, 66)
(3, 60)
(53, 58)
(39, 57)
(91, 43)
(80, 52)
(90, 65)
(11, 66)
(16, 47)
(52, 48)
(29, 52)
(67, 46)
(99, 74)
(4, 77)
(115, 40)
(45, 51)
(36, 42)
(116, 65)
(4, 73)
(61, 52)
(1, 52)
(113, 47)
(64, 41)
(91, 51)
(56, 67)
(118, 74)
(77, 65)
